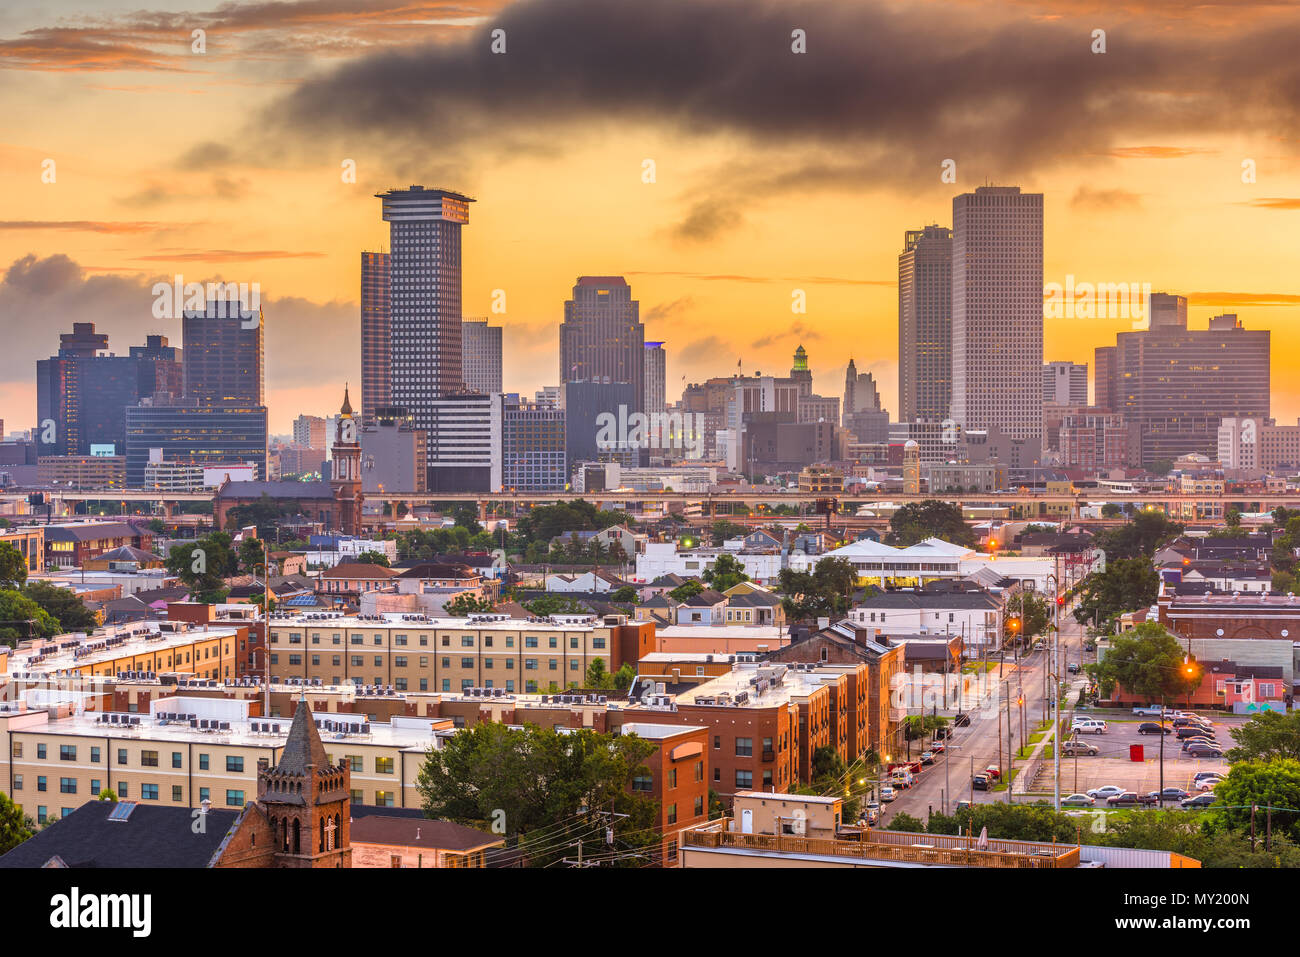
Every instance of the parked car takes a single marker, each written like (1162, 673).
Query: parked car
(1193, 731)
(961, 720)
(1206, 784)
(1088, 726)
(1149, 711)
(927, 757)
(1073, 667)
(1199, 775)
(1170, 794)
(963, 804)
(1073, 748)
(1129, 799)
(1201, 749)
(1105, 791)
(1197, 801)
(1078, 800)
(937, 748)
(887, 794)
(1183, 721)
(1198, 739)
(994, 772)
(873, 805)
(1150, 727)
(981, 782)
(941, 734)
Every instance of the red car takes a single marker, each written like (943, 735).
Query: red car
(994, 772)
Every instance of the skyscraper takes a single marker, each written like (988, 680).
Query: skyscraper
(481, 356)
(424, 304)
(602, 339)
(863, 415)
(1174, 385)
(160, 366)
(1065, 383)
(656, 377)
(925, 325)
(224, 355)
(374, 335)
(997, 311)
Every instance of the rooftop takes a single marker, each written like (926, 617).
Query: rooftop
(761, 685)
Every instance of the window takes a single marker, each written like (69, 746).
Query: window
(699, 770)
(446, 641)
(358, 661)
(446, 684)
(399, 661)
(205, 794)
(178, 793)
(383, 765)
(598, 642)
(573, 664)
(530, 642)
(744, 779)
(487, 663)
(553, 665)
(203, 762)
(176, 759)
(510, 684)
(94, 755)
(642, 782)
(672, 814)
(94, 785)
(122, 789)
(315, 660)
(148, 792)
(67, 785)
(295, 659)
(67, 752)
(467, 662)
(399, 684)
(767, 779)
(467, 641)
(551, 642)
(40, 751)
(338, 660)
(446, 662)
(379, 663)
(18, 749)
(699, 807)
(234, 764)
(42, 814)
(234, 799)
(530, 664)
(356, 796)
(744, 747)
(573, 641)
(424, 684)
(399, 639)
(717, 742)
(717, 774)
(148, 759)
(384, 798)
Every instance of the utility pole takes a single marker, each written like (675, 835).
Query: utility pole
(1252, 828)
(1011, 754)
(1161, 799)
(1268, 827)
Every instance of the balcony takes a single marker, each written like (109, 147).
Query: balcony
(889, 846)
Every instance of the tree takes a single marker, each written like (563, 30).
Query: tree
(1146, 662)
(13, 567)
(1141, 536)
(1126, 585)
(550, 791)
(251, 555)
(1266, 736)
(464, 605)
(108, 794)
(625, 593)
(1271, 784)
(1160, 466)
(157, 526)
(902, 821)
(203, 565)
(1233, 518)
(725, 572)
(686, 590)
(931, 518)
(597, 675)
(14, 826)
(624, 677)
(723, 530)
(61, 604)
(548, 605)
(17, 607)
(1008, 822)
(1111, 510)
(822, 593)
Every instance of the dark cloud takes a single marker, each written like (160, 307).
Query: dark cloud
(1086, 197)
(668, 310)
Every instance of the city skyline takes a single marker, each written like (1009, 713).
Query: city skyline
(714, 263)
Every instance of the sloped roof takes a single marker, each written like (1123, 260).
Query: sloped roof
(303, 748)
(359, 570)
(152, 835)
(407, 831)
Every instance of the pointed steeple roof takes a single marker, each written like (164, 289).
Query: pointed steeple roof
(303, 748)
(347, 402)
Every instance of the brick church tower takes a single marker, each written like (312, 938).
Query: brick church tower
(306, 800)
(345, 472)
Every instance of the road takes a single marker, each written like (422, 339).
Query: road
(977, 746)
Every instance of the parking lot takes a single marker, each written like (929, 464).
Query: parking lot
(1114, 766)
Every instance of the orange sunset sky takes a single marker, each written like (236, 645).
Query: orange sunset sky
(774, 171)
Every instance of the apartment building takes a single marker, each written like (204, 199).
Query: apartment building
(677, 779)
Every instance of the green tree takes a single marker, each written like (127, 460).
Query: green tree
(1147, 662)
(547, 605)
(625, 593)
(551, 791)
(1148, 529)
(723, 530)
(1160, 466)
(203, 565)
(157, 526)
(624, 677)
(1009, 822)
(14, 826)
(1127, 584)
(108, 794)
(464, 605)
(1111, 510)
(17, 607)
(598, 675)
(824, 592)
(686, 590)
(902, 821)
(725, 572)
(1271, 784)
(250, 556)
(61, 604)
(917, 521)
(1267, 735)
(13, 567)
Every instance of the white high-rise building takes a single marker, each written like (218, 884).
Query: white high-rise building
(481, 355)
(997, 311)
(1065, 383)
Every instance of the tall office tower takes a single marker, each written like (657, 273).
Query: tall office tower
(997, 311)
(863, 415)
(1104, 386)
(1065, 383)
(1166, 311)
(464, 443)
(309, 430)
(925, 325)
(82, 392)
(656, 377)
(187, 432)
(800, 374)
(161, 368)
(592, 423)
(601, 338)
(532, 446)
(1176, 384)
(424, 312)
(224, 355)
(374, 335)
(481, 356)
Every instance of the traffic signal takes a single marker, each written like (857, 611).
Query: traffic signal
(1060, 600)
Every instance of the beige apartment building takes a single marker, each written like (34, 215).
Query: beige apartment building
(413, 652)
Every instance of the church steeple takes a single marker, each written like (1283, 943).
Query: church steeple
(347, 403)
(345, 473)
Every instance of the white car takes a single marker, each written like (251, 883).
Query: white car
(887, 793)
(1088, 726)
(1207, 784)
(1105, 791)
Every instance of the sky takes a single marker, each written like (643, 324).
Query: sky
(683, 144)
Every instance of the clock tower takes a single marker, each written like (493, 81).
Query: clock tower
(345, 472)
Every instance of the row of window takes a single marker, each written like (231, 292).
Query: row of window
(148, 792)
(466, 641)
